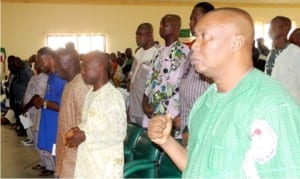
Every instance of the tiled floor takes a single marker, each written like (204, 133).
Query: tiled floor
(16, 159)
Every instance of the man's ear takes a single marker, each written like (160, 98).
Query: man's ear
(237, 42)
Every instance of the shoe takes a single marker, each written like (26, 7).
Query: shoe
(38, 167)
(46, 173)
(25, 141)
(29, 143)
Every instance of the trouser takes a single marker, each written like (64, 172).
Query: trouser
(49, 160)
(43, 158)
(29, 133)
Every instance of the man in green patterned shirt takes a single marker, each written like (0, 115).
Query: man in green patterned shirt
(246, 125)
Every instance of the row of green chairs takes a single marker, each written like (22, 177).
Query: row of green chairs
(144, 159)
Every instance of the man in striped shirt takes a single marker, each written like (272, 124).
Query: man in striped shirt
(193, 84)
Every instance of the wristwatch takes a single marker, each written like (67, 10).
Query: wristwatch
(45, 104)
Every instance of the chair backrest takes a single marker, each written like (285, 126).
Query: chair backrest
(167, 169)
(133, 132)
(145, 149)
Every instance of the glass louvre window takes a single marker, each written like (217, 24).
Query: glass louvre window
(83, 42)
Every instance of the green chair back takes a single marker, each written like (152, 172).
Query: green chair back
(146, 150)
(133, 132)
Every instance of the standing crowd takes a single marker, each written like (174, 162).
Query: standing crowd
(234, 108)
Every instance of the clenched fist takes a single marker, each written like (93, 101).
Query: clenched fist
(159, 129)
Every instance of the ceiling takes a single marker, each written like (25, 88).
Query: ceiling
(168, 2)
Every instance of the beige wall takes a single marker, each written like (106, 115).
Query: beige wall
(24, 26)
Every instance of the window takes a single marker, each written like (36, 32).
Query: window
(83, 42)
(262, 30)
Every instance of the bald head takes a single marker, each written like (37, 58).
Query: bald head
(73, 56)
(144, 35)
(99, 58)
(68, 63)
(239, 22)
(46, 58)
(170, 26)
(147, 27)
(46, 51)
(230, 33)
(95, 68)
(279, 27)
(283, 21)
(174, 19)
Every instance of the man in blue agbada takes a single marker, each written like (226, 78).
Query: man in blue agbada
(50, 106)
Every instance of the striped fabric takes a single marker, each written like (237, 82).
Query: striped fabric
(192, 86)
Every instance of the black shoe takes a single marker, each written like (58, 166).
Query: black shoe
(18, 128)
(46, 173)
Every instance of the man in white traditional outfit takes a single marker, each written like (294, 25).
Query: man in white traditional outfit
(139, 71)
(283, 62)
(101, 133)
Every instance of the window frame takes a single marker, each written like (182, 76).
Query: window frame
(75, 38)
